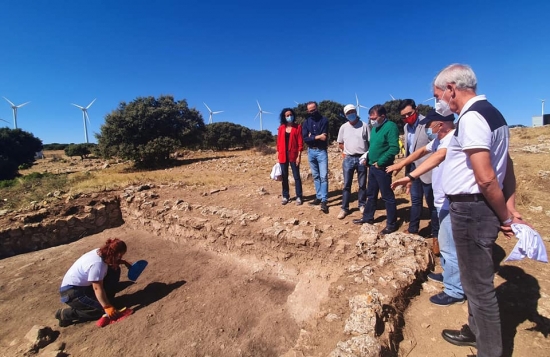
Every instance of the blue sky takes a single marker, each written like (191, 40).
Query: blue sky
(230, 54)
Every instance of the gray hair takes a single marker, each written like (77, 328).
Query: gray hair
(460, 74)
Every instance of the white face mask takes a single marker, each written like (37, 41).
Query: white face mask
(442, 107)
(375, 123)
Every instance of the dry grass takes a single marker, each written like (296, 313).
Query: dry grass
(529, 136)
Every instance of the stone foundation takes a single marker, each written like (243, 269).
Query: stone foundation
(43, 228)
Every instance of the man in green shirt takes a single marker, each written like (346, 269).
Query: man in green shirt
(384, 145)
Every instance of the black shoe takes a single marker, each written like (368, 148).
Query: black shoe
(388, 230)
(315, 202)
(464, 337)
(324, 207)
(363, 221)
(442, 299)
(61, 321)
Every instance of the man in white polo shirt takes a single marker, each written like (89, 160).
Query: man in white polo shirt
(439, 130)
(353, 140)
(479, 181)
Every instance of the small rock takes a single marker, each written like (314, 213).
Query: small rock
(41, 336)
(332, 317)
(425, 325)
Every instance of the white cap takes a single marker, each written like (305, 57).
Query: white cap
(349, 107)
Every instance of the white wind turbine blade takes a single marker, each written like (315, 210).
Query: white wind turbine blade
(13, 105)
(78, 106)
(392, 97)
(258, 105)
(20, 105)
(427, 100)
(296, 103)
(356, 100)
(5, 121)
(263, 111)
(219, 111)
(207, 107)
(89, 105)
(87, 117)
(257, 115)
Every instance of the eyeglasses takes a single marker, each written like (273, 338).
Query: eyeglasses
(406, 115)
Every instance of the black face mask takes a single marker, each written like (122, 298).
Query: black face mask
(314, 114)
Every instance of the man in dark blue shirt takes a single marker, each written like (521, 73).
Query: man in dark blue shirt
(315, 133)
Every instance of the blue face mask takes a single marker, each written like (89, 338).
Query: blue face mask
(351, 117)
(290, 119)
(431, 134)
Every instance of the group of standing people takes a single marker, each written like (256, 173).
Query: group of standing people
(368, 148)
(461, 168)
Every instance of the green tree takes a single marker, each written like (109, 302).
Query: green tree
(82, 150)
(17, 147)
(55, 146)
(225, 135)
(261, 138)
(148, 129)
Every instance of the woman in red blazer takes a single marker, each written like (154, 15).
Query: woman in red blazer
(289, 152)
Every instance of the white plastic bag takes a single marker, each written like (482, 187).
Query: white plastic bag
(529, 244)
(276, 173)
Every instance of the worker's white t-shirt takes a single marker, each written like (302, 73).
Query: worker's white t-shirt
(87, 269)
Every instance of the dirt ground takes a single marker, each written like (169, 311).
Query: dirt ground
(192, 301)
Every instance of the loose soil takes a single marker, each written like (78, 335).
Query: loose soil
(195, 301)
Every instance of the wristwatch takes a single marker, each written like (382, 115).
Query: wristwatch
(411, 177)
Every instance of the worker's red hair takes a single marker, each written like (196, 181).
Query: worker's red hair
(112, 251)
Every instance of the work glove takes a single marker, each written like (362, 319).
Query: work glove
(111, 312)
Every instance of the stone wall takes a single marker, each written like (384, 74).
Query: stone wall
(37, 230)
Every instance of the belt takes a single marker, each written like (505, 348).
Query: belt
(315, 148)
(355, 155)
(477, 197)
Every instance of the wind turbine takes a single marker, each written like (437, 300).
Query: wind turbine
(358, 106)
(260, 112)
(543, 100)
(211, 113)
(84, 117)
(14, 108)
(392, 97)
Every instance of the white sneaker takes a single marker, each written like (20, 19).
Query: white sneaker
(284, 201)
(342, 214)
(362, 209)
(298, 201)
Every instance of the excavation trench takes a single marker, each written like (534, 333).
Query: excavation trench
(350, 287)
(247, 280)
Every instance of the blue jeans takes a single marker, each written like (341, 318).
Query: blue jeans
(418, 190)
(83, 303)
(297, 179)
(449, 261)
(380, 181)
(475, 230)
(318, 163)
(349, 166)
